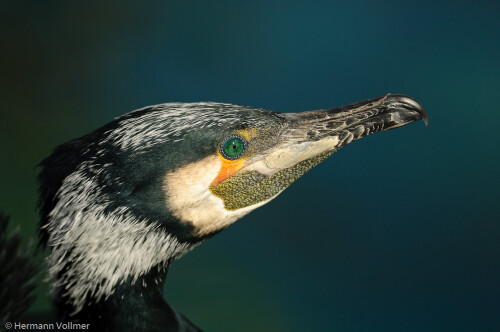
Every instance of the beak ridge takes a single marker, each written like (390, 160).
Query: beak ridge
(356, 120)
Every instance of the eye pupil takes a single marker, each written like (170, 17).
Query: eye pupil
(233, 147)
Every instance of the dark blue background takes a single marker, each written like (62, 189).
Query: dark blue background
(397, 232)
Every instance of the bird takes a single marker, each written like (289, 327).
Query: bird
(120, 204)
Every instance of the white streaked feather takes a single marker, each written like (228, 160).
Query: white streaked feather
(104, 249)
(141, 133)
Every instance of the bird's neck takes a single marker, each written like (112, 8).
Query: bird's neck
(133, 306)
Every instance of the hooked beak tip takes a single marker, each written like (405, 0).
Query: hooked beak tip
(411, 104)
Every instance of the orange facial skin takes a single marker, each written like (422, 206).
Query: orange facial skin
(229, 167)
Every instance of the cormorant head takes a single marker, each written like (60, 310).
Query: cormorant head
(145, 188)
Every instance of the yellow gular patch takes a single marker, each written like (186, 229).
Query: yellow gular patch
(229, 167)
(249, 134)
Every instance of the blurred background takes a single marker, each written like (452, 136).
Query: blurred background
(396, 232)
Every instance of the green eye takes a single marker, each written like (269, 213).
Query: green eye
(233, 147)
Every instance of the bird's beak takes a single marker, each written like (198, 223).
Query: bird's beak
(357, 120)
(306, 139)
(313, 133)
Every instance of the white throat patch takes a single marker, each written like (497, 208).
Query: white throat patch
(190, 200)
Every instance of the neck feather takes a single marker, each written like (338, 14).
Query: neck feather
(95, 247)
(93, 263)
(133, 306)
